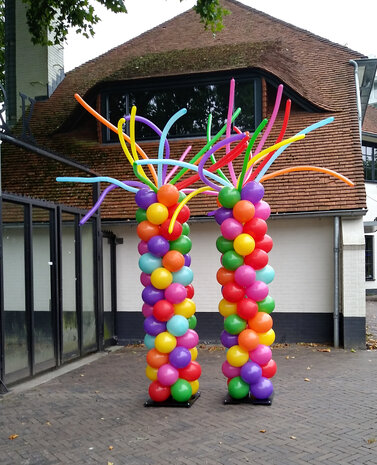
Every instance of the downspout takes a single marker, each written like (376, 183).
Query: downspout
(358, 99)
(336, 280)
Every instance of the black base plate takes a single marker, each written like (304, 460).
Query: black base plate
(247, 400)
(172, 403)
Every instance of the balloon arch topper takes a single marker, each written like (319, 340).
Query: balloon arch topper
(164, 247)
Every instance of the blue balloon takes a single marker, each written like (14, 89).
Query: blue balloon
(177, 325)
(266, 274)
(184, 276)
(149, 262)
(149, 341)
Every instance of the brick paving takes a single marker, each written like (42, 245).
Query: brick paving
(78, 417)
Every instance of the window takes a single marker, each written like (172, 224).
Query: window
(159, 101)
(369, 152)
(369, 259)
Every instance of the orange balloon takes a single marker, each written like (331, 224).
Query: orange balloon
(155, 358)
(243, 211)
(145, 230)
(224, 276)
(168, 195)
(173, 260)
(248, 339)
(261, 323)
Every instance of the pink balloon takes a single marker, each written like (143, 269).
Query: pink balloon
(231, 228)
(142, 247)
(257, 291)
(147, 310)
(145, 279)
(261, 355)
(244, 275)
(262, 210)
(230, 371)
(167, 374)
(175, 293)
(188, 340)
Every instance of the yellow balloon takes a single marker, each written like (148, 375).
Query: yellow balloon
(267, 338)
(237, 356)
(161, 278)
(165, 342)
(194, 354)
(151, 372)
(157, 213)
(244, 244)
(227, 308)
(186, 308)
(194, 386)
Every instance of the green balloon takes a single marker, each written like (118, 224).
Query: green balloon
(181, 390)
(232, 260)
(223, 245)
(234, 324)
(141, 215)
(237, 388)
(183, 244)
(266, 305)
(182, 195)
(192, 322)
(229, 196)
(185, 229)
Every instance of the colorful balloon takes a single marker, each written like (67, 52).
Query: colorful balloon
(263, 389)
(158, 245)
(177, 325)
(165, 342)
(247, 308)
(157, 392)
(253, 192)
(229, 196)
(234, 324)
(248, 339)
(237, 356)
(244, 244)
(243, 211)
(163, 310)
(251, 372)
(168, 195)
(261, 354)
(237, 388)
(231, 228)
(167, 375)
(180, 357)
(173, 260)
(257, 291)
(175, 293)
(155, 358)
(157, 213)
(244, 275)
(186, 308)
(181, 391)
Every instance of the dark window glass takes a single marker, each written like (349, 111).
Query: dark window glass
(369, 262)
(158, 104)
(369, 152)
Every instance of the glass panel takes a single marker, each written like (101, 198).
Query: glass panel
(88, 310)
(200, 100)
(15, 321)
(108, 315)
(369, 265)
(44, 354)
(70, 328)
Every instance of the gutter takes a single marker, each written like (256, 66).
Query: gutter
(358, 99)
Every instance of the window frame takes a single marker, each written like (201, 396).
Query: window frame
(373, 158)
(177, 82)
(369, 250)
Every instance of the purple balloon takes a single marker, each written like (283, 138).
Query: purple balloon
(145, 279)
(153, 327)
(187, 258)
(244, 275)
(158, 245)
(252, 191)
(188, 340)
(263, 389)
(142, 247)
(228, 340)
(251, 372)
(257, 291)
(231, 228)
(145, 197)
(180, 357)
(167, 374)
(151, 295)
(229, 370)
(175, 293)
(223, 214)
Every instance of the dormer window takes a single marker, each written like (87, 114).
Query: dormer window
(159, 100)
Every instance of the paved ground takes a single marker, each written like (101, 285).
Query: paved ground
(95, 415)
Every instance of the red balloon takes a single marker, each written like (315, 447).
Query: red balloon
(163, 310)
(265, 243)
(190, 291)
(191, 372)
(224, 276)
(256, 227)
(164, 230)
(158, 392)
(247, 308)
(258, 259)
(183, 215)
(233, 292)
(269, 370)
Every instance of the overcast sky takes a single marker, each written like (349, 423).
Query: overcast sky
(348, 23)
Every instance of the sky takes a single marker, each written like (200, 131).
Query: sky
(347, 23)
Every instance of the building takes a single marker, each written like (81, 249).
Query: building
(316, 222)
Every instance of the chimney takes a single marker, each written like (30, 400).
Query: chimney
(33, 70)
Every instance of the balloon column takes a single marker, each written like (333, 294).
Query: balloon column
(164, 248)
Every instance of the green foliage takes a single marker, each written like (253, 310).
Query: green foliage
(211, 14)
